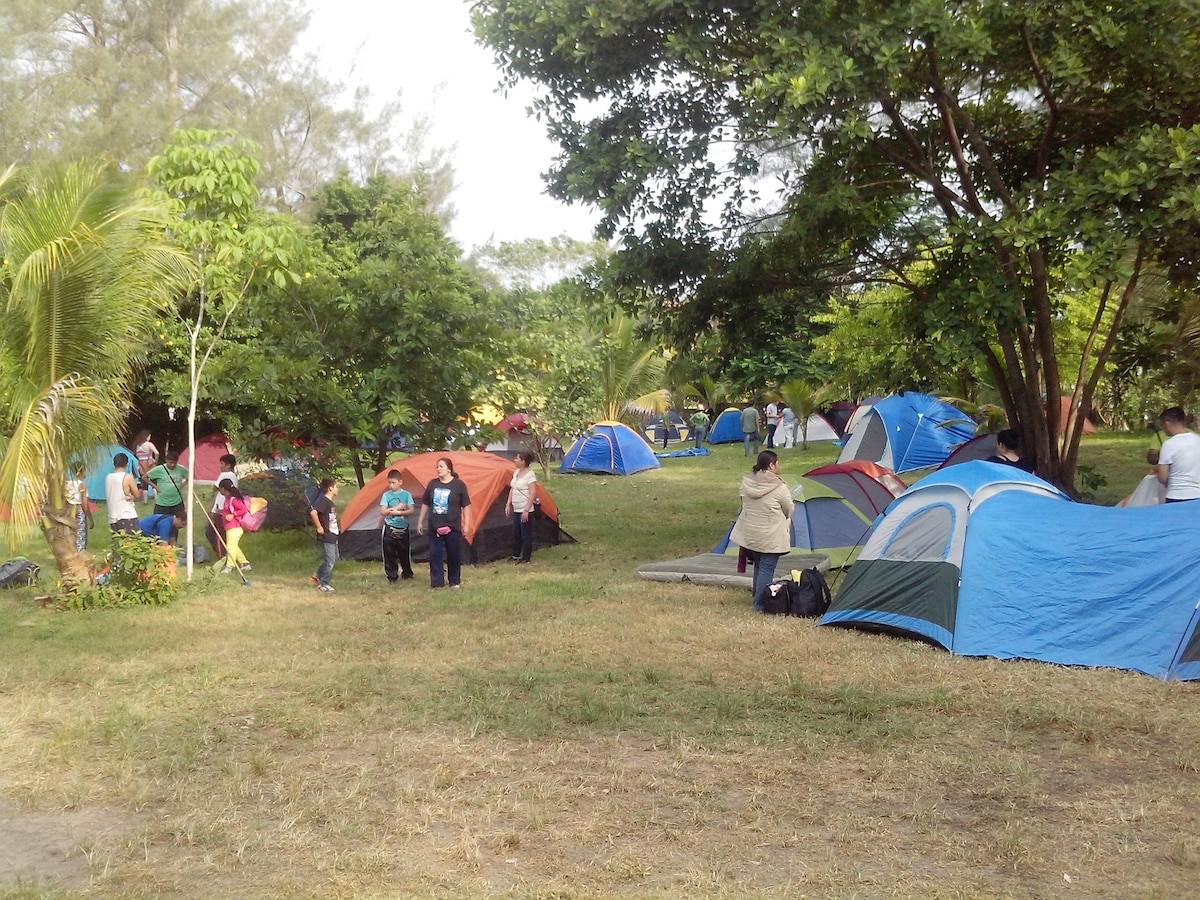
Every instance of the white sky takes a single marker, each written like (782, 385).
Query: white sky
(414, 46)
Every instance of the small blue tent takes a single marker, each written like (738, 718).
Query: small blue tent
(100, 462)
(727, 429)
(908, 431)
(609, 448)
(986, 560)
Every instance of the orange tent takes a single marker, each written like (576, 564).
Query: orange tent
(487, 477)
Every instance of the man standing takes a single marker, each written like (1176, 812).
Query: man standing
(214, 530)
(169, 482)
(120, 492)
(751, 423)
(772, 423)
(1179, 459)
(324, 519)
(395, 506)
(699, 422)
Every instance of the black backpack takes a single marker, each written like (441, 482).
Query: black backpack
(19, 572)
(806, 598)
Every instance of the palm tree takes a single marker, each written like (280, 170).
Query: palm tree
(632, 372)
(805, 398)
(85, 267)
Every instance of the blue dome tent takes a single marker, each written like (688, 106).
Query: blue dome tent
(609, 448)
(908, 431)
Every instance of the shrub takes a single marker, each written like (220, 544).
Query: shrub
(141, 572)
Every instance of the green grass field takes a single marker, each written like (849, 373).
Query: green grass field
(564, 730)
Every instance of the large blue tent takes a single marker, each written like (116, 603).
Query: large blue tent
(908, 431)
(609, 448)
(986, 560)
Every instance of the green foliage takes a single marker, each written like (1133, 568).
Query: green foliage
(1029, 154)
(387, 333)
(141, 572)
(83, 265)
(112, 78)
(287, 503)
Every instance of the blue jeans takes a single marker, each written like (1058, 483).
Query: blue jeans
(764, 574)
(445, 559)
(325, 562)
(698, 435)
(748, 438)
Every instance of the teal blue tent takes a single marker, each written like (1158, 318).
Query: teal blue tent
(100, 462)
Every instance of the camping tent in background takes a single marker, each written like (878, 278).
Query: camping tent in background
(487, 477)
(838, 414)
(987, 560)
(858, 414)
(205, 468)
(727, 428)
(1064, 408)
(823, 521)
(868, 486)
(908, 431)
(981, 446)
(609, 448)
(819, 429)
(100, 462)
(519, 435)
(678, 429)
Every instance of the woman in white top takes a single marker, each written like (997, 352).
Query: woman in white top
(522, 498)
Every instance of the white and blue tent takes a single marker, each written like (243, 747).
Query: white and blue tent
(609, 448)
(986, 560)
(908, 431)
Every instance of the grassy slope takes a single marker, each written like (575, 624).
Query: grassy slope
(565, 730)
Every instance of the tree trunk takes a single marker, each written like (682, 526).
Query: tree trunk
(58, 527)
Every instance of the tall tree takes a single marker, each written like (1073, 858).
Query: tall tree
(85, 265)
(1027, 151)
(389, 336)
(207, 179)
(114, 78)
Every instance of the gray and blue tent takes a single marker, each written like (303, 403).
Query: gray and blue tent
(609, 448)
(908, 431)
(984, 559)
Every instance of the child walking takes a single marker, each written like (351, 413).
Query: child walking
(324, 518)
(234, 509)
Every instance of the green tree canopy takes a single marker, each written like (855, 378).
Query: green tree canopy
(1027, 152)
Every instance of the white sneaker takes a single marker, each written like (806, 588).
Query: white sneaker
(245, 567)
(327, 588)
(227, 570)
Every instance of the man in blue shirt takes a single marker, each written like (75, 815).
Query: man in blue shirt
(395, 506)
(163, 526)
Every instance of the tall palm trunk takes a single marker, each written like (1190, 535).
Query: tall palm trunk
(58, 528)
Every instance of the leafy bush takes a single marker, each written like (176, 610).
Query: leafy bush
(287, 503)
(141, 572)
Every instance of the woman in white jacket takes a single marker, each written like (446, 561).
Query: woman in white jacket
(764, 526)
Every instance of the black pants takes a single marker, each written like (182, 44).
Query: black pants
(215, 532)
(522, 537)
(396, 553)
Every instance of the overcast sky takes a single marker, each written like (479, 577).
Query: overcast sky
(417, 45)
